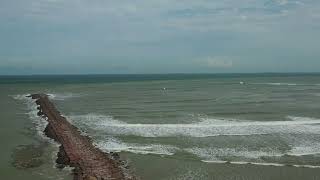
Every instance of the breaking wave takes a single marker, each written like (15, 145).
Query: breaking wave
(263, 164)
(305, 148)
(256, 157)
(115, 145)
(215, 154)
(280, 84)
(62, 96)
(296, 145)
(39, 122)
(56, 96)
(285, 84)
(205, 128)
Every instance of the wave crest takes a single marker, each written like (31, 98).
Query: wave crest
(115, 145)
(205, 128)
(62, 96)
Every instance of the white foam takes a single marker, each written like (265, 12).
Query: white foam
(56, 96)
(62, 96)
(93, 120)
(261, 164)
(303, 119)
(211, 154)
(39, 122)
(305, 150)
(285, 84)
(205, 128)
(215, 154)
(115, 145)
(21, 97)
(305, 147)
(278, 84)
(300, 126)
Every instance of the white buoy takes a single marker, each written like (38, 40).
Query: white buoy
(241, 82)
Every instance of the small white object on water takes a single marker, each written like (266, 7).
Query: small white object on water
(241, 82)
(164, 89)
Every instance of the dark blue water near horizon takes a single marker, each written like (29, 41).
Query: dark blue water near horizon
(100, 78)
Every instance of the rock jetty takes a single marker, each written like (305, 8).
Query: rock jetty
(76, 150)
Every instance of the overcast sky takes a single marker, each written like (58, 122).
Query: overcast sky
(159, 36)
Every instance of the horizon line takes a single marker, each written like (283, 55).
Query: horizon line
(217, 73)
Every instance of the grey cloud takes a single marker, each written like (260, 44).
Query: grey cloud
(152, 34)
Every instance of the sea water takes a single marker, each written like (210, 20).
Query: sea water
(178, 126)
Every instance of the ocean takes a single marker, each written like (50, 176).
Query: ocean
(171, 127)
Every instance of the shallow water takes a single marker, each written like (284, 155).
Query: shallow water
(175, 126)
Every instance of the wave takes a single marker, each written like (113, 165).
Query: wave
(261, 164)
(245, 156)
(205, 128)
(39, 122)
(93, 120)
(285, 84)
(21, 97)
(279, 84)
(218, 153)
(62, 96)
(57, 96)
(115, 145)
(109, 144)
(305, 148)
(215, 154)
(298, 145)
(209, 154)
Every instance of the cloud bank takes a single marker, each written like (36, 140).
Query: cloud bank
(159, 36)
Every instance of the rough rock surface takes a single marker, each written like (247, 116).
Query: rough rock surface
(77, 150)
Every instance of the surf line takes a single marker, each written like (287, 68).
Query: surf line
(76, 150)
(261, 164)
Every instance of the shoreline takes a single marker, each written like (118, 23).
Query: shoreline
(76, 150)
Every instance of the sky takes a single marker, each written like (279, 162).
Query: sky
(159, 36)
